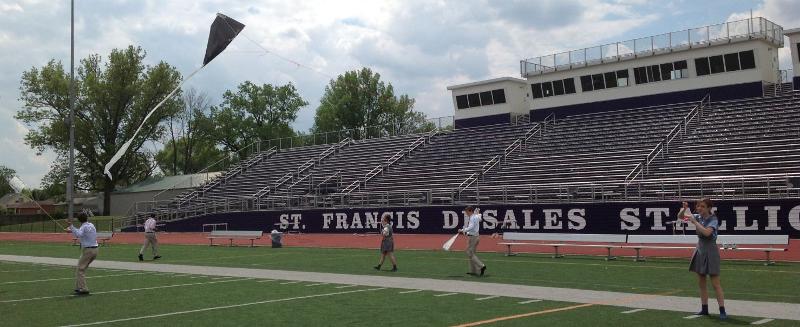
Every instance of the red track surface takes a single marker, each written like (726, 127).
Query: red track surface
(402, 241)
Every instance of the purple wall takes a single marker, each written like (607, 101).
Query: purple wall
(484, 120)
(777, 216)
(719, 93)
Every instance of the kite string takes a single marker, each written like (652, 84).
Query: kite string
(267, 51)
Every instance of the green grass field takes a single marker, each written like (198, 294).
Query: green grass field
(118, 294)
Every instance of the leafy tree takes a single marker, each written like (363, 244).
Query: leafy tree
(254, 113)
(112, 98)
(203, 154)
(6, 174)
(189, 147)
(360, 101)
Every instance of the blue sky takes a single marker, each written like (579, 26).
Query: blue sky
(421, 47)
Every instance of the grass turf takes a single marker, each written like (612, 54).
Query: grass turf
(743, 280)
(133, 299)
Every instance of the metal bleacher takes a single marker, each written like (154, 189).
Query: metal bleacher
(746, 148)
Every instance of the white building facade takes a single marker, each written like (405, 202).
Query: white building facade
(726, 61)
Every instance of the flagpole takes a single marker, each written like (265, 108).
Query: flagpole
(71, 177)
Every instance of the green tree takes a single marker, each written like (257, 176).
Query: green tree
(254, 113)
(203, 154)
(359, 99)
(6, 174)
(112, 99)
(189, 147)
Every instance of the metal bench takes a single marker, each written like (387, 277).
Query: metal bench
(234, 234)
(727, 242)
(101, 236)
(608, 239)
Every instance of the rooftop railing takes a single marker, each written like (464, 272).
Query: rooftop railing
(740, 30)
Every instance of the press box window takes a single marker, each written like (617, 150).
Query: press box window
(499, 96)
(569, 86)
(681, 70)
(586, 83)
(486, 98)
(597, 82)
(547, 89)
(537, 90)
(701, 65)
(474, 100)
(558, 87)
(748, 60)
(717, 64)
(732, 62)
(611, 79)
(622, 77)
(461, 102)
(640, 75)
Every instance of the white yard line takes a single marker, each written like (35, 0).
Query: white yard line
(633, 311)
(693, 317)
(487, 298)
(762, 321)
(412, 291)
(223, 307)
(346, 286)
(445, 294)
(128, 290)
(316, 284)
(530, 301)
(292, 282)
(265, 281)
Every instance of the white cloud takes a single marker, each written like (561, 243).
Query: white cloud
(10, 7)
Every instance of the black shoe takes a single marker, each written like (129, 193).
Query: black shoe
(81, 292)
(473, 274)
(141, 257)
(157, 257)
(701, 313)
(377, 267)
(394, 269)
(483, 270)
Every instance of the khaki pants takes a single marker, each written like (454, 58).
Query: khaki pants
(150, 240)
(475, 264)
(88, 255)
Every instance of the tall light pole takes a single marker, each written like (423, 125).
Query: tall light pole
(71, 177)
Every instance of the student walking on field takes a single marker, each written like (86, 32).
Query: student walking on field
(387, 242)
(87, 235)
(472, 230)
(705, 260)
(150, 238)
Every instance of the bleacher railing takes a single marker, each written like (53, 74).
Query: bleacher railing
(536, 129)
(745, 29)
(662, 148)
(719, 187)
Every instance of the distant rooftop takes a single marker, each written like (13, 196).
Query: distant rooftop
(740, 30)
(166, 182)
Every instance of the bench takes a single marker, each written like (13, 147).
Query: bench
(563, 237)
(727, 242)
(234, 234)
(101, 236)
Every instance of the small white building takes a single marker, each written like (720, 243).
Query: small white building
(727, 61)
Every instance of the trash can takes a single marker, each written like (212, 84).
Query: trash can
(276, 237)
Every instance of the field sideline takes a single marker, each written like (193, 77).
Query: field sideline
(126, 289)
